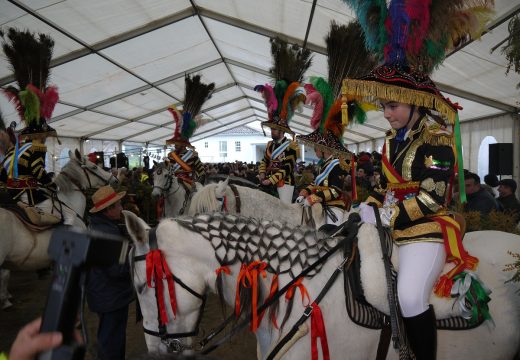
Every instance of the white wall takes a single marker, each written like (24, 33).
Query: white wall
(247, 153)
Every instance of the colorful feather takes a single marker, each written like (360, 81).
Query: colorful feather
(418, 11)
(315, 100)
(269, 97)
(470, 22)
(397, 26)
(177, 118)
(11, 93)
(31, 105)
(371, 15)
(333, 123)
(48, 102)
(326, 93)
(279, 90)
(285, 103)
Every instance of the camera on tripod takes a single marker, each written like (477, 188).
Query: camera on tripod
(73, 252)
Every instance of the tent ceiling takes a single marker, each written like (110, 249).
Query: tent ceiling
(119, 64)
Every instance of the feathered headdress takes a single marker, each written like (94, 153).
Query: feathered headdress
(188, 119)
(289, 65)
(413, 41)
(347, 56)
(30, 56)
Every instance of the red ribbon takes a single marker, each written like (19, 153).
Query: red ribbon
(454, 105)
(157, 270)
(248, 278)
(318, 331)
(159, 210)
(272, 292)
(223, 269)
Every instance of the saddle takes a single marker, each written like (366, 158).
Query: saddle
(33, 217)
(371, 314)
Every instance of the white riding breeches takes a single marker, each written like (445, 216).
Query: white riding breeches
(285, 193)
(420, 265)
(338, 213)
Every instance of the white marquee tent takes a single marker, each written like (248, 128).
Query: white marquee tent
(119, 64)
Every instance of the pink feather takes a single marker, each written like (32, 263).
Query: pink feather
(48, 102)
(270, 98)
(13, 98)
(315, 98)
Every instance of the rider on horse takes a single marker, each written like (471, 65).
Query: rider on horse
(279, 162)
(420, 156)
(23, 168)
(185, 161)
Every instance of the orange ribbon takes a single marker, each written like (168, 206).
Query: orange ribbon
(223, 269)
(157, 270)
(303, 291)
(248, 278)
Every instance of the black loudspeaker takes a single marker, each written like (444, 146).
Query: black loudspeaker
(501, 159)
(122, 160)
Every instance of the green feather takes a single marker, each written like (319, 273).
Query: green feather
(279, 90)
(31, 104)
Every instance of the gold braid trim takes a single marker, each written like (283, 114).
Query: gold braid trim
(437, 138)
(372, 199)
(374, 90)
(412, 209)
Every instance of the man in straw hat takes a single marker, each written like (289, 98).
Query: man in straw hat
(278, 164)
(109, 289)
(420, 155)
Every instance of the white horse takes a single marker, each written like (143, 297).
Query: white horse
(176, 196)
(24, 249)
(192, 258)
(252, 203)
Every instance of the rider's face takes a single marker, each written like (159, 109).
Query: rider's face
(276, 134)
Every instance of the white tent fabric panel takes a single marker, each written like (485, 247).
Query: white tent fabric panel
(158, 119)
(166, 51)
(90, 79)
(106, 19)
(139, 104)
(249, 77)
(224, 96)
(153, 135)
(283, 17)
(325, 12)
(85, 122)
(229, 108)
(123, 131)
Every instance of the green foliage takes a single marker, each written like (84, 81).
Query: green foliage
(512, 49)
(495, 220)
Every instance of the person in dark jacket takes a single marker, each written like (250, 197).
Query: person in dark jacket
(109, 289)
(479, 199)
(506, 197)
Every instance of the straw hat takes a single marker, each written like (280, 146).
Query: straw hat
(104, 197)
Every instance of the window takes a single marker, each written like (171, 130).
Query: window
(206, 144)
(237, 146)
(222, 145)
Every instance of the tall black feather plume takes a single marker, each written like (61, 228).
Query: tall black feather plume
(196, 93)
(289, 61)
(347, 54)
(29, 56)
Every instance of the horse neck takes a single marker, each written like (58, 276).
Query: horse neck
(71, 194)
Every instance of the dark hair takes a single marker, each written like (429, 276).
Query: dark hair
(470, 175)
(491, 180)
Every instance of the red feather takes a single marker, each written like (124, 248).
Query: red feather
(178, 125)
(12, 96)
(48, 102)
(419, 13)
(334, 123)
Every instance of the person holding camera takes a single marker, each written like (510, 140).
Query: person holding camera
(109, 288)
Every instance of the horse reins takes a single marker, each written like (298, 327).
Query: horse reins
(171, 339)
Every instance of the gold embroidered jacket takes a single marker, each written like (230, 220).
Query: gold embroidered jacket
(330, 188)
(281, 168)
(425, 161)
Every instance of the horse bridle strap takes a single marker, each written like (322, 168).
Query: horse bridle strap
(352, 222)
(162, 333)
(237, 197)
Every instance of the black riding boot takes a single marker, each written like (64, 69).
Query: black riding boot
(421, 331)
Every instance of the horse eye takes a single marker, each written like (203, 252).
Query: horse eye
(94, 167)
(159, 172)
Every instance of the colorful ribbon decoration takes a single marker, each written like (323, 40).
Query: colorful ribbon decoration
(455, 253)
(318, 331)
(472, 296)
(157, 270)
(303, 291)
(223, 269)
(248, 278)
(460, 165)
(272, 292)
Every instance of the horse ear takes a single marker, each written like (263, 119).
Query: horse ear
(78, 155)
(220, 190)
(136, 227)
(71, 156)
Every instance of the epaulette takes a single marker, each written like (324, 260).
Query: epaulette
(344, 165)
(435, 134)
(39, 147)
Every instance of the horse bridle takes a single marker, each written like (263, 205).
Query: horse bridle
(171, 340)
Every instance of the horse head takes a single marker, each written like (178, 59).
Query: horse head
(162, 180)
(86, 174)
(154, 250)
